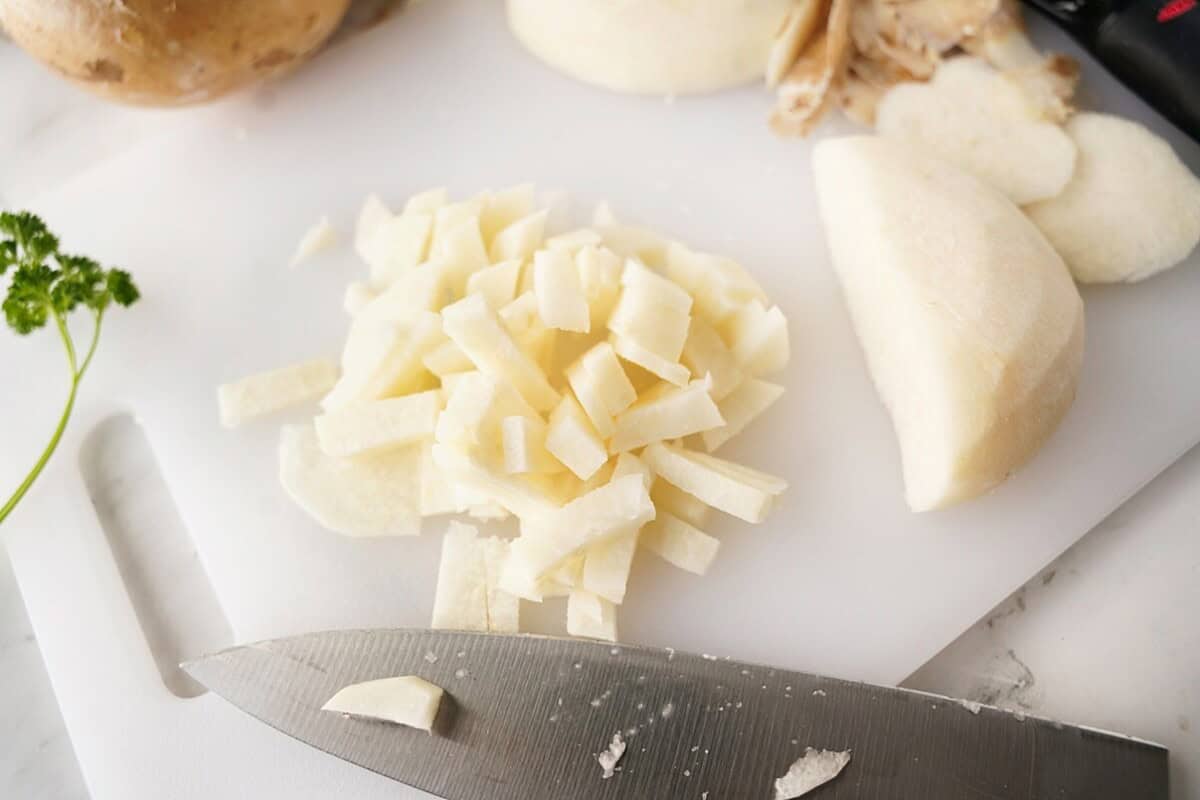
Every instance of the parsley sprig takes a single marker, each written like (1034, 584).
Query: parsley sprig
(46, 287)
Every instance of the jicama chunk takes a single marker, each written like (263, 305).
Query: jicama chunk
(660, 291)
(415, 291)
(460, 602)
(269, 392)
(394, 370)
(606, 565)
(378, 424)
(739, 408)
(548, 539)
(587, 391)
(758, 338)
(519, 496)
(405, 700)
(613, 386)
(660, 330)
(446, 359)
(634, 353)
(574, 240)
(521, 313)
(373, 495)
(461, 252)
(426, 202)
(591, 616)
(679, 543)
(813, 769)
(497, 283)
(398, 244)
(358, 295)
(675, 501)
(373, 214)
(673, 414)
(705, 353)
(573, 441)
(560, 298)
(504, 609)
(600, 276)
(476, 329)
(503, 208)
(320, 236)
(474, 409)
(633, 242)
(740, 491)
(520, 239)
(719, 285)
(524, 444)
(447, 218)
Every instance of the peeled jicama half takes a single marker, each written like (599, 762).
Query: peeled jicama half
(982, 121)
(971, 324)
(1132, 208)
(652, 46)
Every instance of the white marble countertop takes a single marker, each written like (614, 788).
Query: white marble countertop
(1105, 636)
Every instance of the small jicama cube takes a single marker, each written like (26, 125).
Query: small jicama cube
(503, 208)
(758, 338)
(612, 385)
(735, 489)
(477, 330)
(269, 392)
(521, 314)
(664, 368)
(520, 239)
(446, 359)
(587, 391)
(460, 602)
(524, 443)
(680, 543)
(357, 296)
(412, 293)
(651, 311)
(373, 495)
(378, 424)
(574, 240)
(591, 616)
(404, 700)
(461, 252)
(394, 369)
(673, 500)
(600, 275)
(521, 497)
(497, 283)
(573, 440)
(739, 408)
(670, 414)
(705, 353)
(560, 298)
(397, 245)
(450, 216)
(427, 202)
(548, 539)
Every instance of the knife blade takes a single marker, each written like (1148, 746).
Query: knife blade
(525, 717)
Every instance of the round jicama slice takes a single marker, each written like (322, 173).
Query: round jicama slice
(652, 46)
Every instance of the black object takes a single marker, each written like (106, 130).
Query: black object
(1152, 46)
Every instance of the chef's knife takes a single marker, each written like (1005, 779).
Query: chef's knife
(526, 716)
(1152, 46)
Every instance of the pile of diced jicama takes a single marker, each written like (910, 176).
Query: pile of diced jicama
(577, 381)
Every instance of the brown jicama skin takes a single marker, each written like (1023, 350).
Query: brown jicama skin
(869, 46)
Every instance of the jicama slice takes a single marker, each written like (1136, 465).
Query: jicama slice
(600, 275)
(606, 565)
(503, 208)
(523, 441)
(758, 337)
(378, 424)
(520, 239)
(497, 283)
(679, 543)
(737, 490)
(572, 440)
(269, 392)
(460, 602)
(519, 496)
(673, 414)
(405, 700)
(447, 359)
(560, 298)
(739, 408)
(374, 495)
(705, 354)
(461, 252)
(591, 616)
(634, 353)
(396, 369)
(503, 609)
(397, 245)
(671, 499)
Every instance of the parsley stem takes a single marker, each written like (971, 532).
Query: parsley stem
(62, 422)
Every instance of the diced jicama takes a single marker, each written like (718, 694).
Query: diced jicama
(574, 240)
(415, 291)
(461, 252)
(560, 298)
(397, 244)
(523, 440)
(503, 609)
(751, 398)
(373, 495)
(634, 353)
(657, 329)
(680, 543)
(719, 285)
(600, 276)
(446, 359)
(450, 216)
(269, 392)
(319, 237)
(737, 490)
(497, 283)
(522, 498)
(520, 239)
(591, 616)
(572, 439)
(606, 565)
(426, 202)
(521, 314)
(395, 369)
(477, 330)
(758, 338)
(548, 539)
(378, 424)
(705, 354)
(675, 501)
(357, 296)
(587, 391)
(405, 700)
(673, 414)
(474, 408)
(611, 383)
(634, 242)
(660, 290)
(503, 208)
(460, 602)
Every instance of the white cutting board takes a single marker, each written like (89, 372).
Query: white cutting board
(842, 580)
